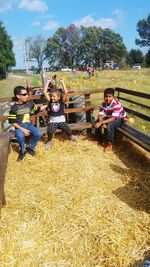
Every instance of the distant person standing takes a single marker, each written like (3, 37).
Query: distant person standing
(74, 72)
(90, 71)
(43, 75)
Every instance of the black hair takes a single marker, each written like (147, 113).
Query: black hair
(57, 91)
(18, 89)
(110, 91)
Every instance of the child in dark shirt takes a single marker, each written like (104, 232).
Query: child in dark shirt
(57, 120)
(19, 117)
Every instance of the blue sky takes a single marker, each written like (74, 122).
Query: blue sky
(29, 18)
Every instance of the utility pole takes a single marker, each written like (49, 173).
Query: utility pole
(26, 54)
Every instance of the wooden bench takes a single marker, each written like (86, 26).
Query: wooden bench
(138, 137)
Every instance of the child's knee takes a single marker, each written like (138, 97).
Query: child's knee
(39, 135)
(20, 135)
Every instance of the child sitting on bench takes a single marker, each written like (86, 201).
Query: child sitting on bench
(57, 119)
(19, 117)
(111, 115)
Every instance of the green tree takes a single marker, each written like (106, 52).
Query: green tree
(90, 45)
(135, 56)
(143, 28)
(98, 45)
(84, 45)
(62, 48)
(7, 57)
(37, 50)
(147, 59)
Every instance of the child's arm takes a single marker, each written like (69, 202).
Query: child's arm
(98, 123)
(45, 89)
(65, 91)
(43, 107)
(103, 123)
(111, 119)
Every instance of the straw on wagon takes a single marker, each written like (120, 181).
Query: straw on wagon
(76, 206)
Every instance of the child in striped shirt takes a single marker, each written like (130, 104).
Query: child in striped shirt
(111, 116)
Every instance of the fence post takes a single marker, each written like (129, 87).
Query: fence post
(87, 104)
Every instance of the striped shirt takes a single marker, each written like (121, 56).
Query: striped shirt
(114, 110)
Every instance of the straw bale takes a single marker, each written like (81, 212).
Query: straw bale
(75, 206)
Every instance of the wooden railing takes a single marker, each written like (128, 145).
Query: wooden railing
(129, 131)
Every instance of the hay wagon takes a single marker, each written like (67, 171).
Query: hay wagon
(89, 100)
(70, 210)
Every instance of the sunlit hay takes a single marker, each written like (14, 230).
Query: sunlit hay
(75, 206)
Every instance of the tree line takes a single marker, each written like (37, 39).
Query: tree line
(79, 46)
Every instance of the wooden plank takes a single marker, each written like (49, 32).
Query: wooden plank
(137, 133)
(134, 102)
(3, 118)
(131, 92)
(138, 139)
(88, 104)
(72, 110)
(80, 126)
(4, 149)
(37, 97)
(138, 114)
(73, 127)
(67, 111)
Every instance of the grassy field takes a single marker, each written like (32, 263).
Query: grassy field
(137, 80)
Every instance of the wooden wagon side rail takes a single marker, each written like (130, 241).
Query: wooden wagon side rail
(141, 139)
(4, 150)
(137, 94)
(136, 136)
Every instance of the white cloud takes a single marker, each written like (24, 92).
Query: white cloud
(120, 16)
(36, 23)
(6, 5)
(51, 25)
(118, 11)
(43, 17)
(33, 5)
(88, 21)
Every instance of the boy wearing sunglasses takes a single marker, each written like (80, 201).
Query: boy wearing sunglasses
(19, 117)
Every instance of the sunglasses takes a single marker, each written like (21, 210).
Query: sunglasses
(25, 94)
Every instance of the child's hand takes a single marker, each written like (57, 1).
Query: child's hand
(26, 132)
(43, 107)
(49, 79)
(62, 80)
(104, 126)
(97, 125)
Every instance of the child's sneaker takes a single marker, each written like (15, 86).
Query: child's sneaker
(73, 138)
(30, 151)
(108, 148)
(48, 145)
(21, 156)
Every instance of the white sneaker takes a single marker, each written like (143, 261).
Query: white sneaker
(48, 145)
(73, 138)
